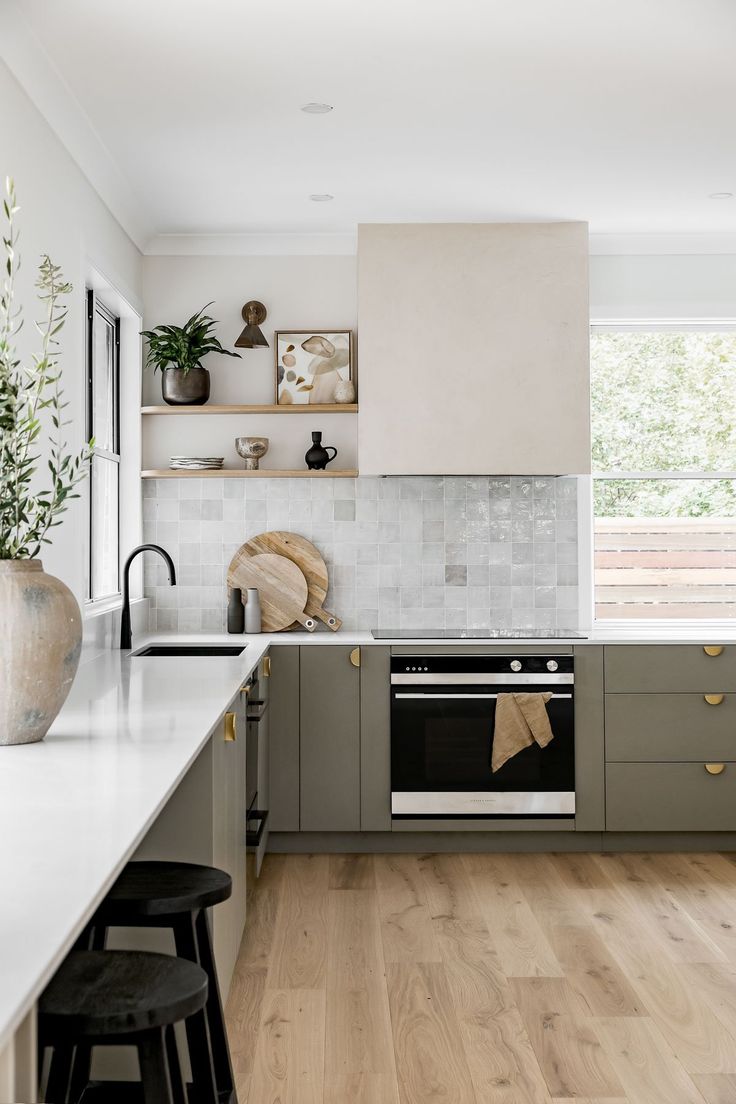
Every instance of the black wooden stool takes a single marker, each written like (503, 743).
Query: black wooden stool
(176, 895)
(119, 998)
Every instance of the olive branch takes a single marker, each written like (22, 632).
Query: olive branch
(30, 397)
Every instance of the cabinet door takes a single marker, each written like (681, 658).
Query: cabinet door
(228, 842)
(375, 739)
(330, 739)
(284, 739)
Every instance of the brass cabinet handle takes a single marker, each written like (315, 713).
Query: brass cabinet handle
(714, 699)
(355, 657)
(715, 768)
(267, 667)
(231, 732)
(245, 690)
(713, 649)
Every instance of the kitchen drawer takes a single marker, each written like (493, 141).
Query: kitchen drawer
(670, 797)
(661, 668)
(674, 728)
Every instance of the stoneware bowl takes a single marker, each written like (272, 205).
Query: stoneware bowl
(251, 449)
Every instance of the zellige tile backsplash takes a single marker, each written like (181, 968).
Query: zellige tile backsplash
(410, 552)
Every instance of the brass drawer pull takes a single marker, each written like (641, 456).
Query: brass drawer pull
(355, 657)
(267, 667)
(231, 732)
(715, 768)
(714, 699)
(713, 649)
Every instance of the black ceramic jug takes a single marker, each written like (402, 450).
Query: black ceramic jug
(318, 456)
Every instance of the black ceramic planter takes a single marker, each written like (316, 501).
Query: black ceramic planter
(190, 388)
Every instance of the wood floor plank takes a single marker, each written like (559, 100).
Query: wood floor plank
(521, 944)
(448, 888)
(352, 872)
(243, 1018)
(299, 950)
(500, 1058)
(289, 1059)
(580, 871)
(710, 903)
(716, 983)
(358, 1038)
(648, 1070)
(680, 936)
(593, 973)
(430, 1058)
(262, 913)
(406, 928)
(719, 1088)
(361, 1088)
(564, 1040)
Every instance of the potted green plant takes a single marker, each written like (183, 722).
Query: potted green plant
(42, 627)
(178, 352)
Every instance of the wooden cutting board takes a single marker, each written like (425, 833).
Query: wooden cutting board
(281, 586)
(304, 554)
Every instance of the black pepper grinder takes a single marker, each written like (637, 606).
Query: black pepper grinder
(318, 456)
(235, 611)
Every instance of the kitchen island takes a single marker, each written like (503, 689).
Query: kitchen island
(75, 807)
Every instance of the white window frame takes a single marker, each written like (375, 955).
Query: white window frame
(586, 511)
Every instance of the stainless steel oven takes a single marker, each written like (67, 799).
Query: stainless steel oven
(442, 728)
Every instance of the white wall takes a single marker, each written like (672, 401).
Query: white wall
(299, 293)
(696, 286)
(63, 216)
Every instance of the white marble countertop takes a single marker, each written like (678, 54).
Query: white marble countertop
(74, 807)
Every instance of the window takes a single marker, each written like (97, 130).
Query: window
(664, 462)
(103, 383)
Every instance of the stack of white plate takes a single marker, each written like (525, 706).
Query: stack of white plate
(196, 463)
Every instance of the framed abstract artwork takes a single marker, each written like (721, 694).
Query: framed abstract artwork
(314, 366)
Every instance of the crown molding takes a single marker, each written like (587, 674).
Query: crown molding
(658, 245)
(252, 245)
(37, 75)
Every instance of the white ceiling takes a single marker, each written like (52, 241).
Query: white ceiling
(619, 112)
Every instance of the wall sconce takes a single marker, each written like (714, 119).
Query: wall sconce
(254, 313)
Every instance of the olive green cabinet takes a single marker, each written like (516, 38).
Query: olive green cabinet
(330, 753)
(283, 813)
(670, 738)
(329, 756)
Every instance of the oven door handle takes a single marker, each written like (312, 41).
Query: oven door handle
(471, 696)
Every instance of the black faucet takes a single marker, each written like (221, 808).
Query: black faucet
(126, 639)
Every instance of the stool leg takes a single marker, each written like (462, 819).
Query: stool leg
(198, 1037)
(215, 1016)
(155, 1077)
(57, 1086)
(172, 1055)
(81, 1067)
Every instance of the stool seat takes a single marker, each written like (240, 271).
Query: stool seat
(96, 994)
(149, 889)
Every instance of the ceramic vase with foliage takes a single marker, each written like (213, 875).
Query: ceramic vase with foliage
(178, 352)
(41, 634)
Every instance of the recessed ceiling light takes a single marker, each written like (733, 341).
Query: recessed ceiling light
(721, 195)
(324, 197)
(317, 108)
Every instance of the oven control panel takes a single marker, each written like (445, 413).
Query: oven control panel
(476, 664)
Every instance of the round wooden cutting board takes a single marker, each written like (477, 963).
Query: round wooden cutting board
(281, 586)
(304, 554)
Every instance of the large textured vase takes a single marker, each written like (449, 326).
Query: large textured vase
(40, 644)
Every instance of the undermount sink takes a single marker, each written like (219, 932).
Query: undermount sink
(189, 650)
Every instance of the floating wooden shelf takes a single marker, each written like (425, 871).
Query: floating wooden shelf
(241, 473)
(214, 408)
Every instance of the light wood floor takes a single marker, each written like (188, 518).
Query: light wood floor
(488, 979)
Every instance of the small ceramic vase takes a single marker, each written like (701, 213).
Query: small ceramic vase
(345, 391)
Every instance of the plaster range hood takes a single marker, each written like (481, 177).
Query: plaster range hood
(473, 343)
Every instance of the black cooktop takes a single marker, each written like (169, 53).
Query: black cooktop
(476, 634)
